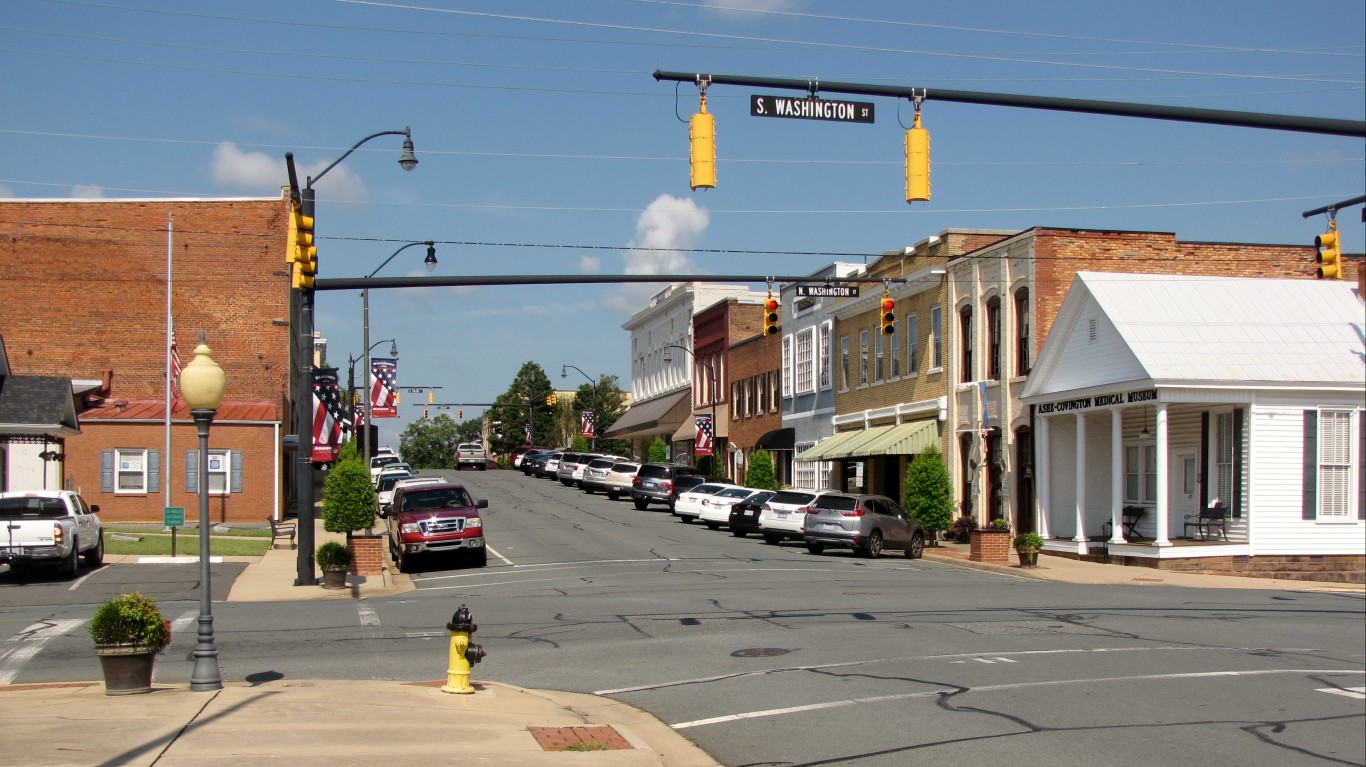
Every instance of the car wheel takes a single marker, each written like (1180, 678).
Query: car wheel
(95, 557)
(683, 519)
(72, 565)
(815, 548)
(713, 525)
(480, 557)
(613, 495)
(587, 489)
(772, 540)
(641, 503)
(737, 533)
(403, 563)
(916, 549)
(873, 549)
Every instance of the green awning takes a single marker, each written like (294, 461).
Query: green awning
(854, 448)
(824, 450)
(906, 439)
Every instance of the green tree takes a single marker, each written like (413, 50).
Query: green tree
(608, 402)
(578, 444)
(657, 452)
(471, 430)
(429, 443)
(759, 472)
(348, 498)
(927, 493)
(526, 394)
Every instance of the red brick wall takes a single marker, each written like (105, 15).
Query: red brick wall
(748, 359)
(990, 546)
(85, 290)
(367, 554)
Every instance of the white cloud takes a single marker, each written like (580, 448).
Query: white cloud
(590, 264)
(664, 230)
(86, 192)
(260, 173)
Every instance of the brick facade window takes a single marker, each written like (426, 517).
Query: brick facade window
(965, 332)
(936, 338)
(1022, 362)
(912, 345)
(994, 338)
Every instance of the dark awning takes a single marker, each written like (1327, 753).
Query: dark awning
(649, 416)
(778, 439)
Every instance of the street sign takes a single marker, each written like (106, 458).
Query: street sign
(828, 291)
(811, 108)
(175, 516)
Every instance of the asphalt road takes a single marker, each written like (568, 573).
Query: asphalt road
(768, 655)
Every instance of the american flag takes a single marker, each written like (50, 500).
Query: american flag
(703, 443)
(329, 418)
(587, 424)
(383, 387)
(175, 368)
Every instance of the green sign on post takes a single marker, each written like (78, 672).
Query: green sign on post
(175, 516)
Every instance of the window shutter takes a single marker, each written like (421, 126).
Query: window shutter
(236, 486)
(191, 471)
(153, 470)
(106, 471)
(1311, 465)
(1202, 460)
(1238, 417)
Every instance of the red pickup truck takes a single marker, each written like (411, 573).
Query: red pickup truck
(429, 520)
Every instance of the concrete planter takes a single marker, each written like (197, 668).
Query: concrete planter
(127, 668)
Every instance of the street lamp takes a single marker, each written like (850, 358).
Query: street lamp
(202, 383)
(430, 262)
(711, 372)
(301, 307)
(564, 373)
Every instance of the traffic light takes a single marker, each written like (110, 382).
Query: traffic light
(460, 413)
(772, 324)
(424, 412)
(1330, 253)
(551, 399)
(303, 256)
(888, 314)
(917, 162)
(702, 148)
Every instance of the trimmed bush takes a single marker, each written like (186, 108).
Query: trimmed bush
(759, 472)
(348, 498)
(927, 493)
(130, 619)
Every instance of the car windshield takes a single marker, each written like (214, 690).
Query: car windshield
(792, 497)
(387, 483)
(383, 460)
(32, 507)
(836, 502)
(705, 489)
(436, 498)
(760, 498)
(625, 467)
(734, 492)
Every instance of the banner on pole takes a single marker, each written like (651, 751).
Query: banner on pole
(383, 387)
(329, 418)
(702, 441)
(586, 424)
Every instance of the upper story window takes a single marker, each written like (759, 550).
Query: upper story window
(936, 338)
(1022, 362)
(878, 366)
(894, 352)
(994, 338)
(844, 363)
(823, 355)
(806, 362)
(965, 332)
(863, 358)
(912, 345)
(787, 365)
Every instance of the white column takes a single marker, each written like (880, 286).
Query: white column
(1117, 476)
(1163, 509)
(1043, 442)
(1081, 483)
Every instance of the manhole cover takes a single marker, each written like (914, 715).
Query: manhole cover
(1029, 627)
(759, 652)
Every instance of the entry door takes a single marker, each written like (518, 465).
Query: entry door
(1183, 485)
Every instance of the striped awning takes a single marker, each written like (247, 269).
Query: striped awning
(907, 439)
(842, 445)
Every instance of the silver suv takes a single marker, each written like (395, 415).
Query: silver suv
(865, 523)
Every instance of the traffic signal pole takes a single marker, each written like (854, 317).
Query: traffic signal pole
(1327, 126)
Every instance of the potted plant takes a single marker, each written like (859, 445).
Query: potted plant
(961, 531)
(334, 559)
(129, 630)
(1027, 546)
(1000, 523)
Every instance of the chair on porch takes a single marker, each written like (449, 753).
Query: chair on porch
(1211, 521)
(1129, 519)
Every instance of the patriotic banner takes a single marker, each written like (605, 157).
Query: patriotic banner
(176, 369)
(384, 387)
(702, 444)
(329, 418)
(526, 429)
(586, 424)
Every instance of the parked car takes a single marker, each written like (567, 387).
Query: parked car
(619, 478)
(551, 465)
(392, 470)
(532, 463)
(714, 510)
(688, 505)
(781, 517)
(378, 463)
(654, 483)
(571, 463)
(516, 455)
(685, 483)
(388, 484)
(865, 523)
(595, 474)
(54, 527)
(428, 520)
(744, 515)
(471, 454)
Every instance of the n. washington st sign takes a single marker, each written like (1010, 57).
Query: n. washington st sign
(811, 108)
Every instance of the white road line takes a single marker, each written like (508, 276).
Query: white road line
(1347, 692)
(368, 616)
(984, 660)
(76, 584)
(997, 687)
(495, 553)
(18, 649)
(184, 621)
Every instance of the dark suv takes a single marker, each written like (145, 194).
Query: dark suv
(656, 483)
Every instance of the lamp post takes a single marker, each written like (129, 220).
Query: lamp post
(202, 383)
(564, 373)
(711, 372)
(430, 261)
(302, 309)
(351, 376)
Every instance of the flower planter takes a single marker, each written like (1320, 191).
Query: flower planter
(1028, 557)
(991, 545)
(127, 668)
(334, 577)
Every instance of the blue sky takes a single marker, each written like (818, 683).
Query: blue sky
(538, 126)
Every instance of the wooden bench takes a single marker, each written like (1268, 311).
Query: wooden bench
(281, 531)
(1210, 521)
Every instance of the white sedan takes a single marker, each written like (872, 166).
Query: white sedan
(715, 509)
(689, 504)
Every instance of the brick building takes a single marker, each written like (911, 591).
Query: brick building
(86, 298)
(756, 419)
(715, 328)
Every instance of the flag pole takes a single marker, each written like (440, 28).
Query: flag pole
(170, 341)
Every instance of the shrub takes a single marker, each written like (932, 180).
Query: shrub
(961, 532)
(657, 452)
(130, 619)
(348, 498)
(759, 473)
(1000, 523)
(927, 494)
(333, 554)
(1032, 541)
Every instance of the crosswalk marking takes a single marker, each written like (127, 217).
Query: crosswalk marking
(1347, 692)
(18, 649)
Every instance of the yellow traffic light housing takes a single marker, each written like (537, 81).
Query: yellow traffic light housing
(772, 323)
(1329, 253)
(917, 161)
(888, 314)
(702, 146)
(303, 256)
(551, 399)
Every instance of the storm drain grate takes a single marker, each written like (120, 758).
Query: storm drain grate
(595, 738)
(759, 652)
(1029, 627)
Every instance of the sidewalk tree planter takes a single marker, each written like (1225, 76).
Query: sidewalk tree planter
(129, 630)
(335, 560)
(1027, 546)
(348, 497)
(927, 493)
(990, 544)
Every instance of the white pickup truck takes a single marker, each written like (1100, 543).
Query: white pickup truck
(49, 526)
(470, 454)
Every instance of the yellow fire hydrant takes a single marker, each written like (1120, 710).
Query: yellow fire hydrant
(462, 654)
